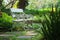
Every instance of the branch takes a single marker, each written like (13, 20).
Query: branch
(10, 3)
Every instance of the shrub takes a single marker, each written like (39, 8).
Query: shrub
(5, 22)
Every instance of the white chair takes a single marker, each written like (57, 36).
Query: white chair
(20, 16)
(16, 13)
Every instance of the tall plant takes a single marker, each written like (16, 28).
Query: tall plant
(51, 27)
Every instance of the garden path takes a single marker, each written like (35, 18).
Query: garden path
(29, 34)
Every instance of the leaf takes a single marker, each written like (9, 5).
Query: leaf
(47, 17)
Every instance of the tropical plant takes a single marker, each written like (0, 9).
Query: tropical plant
(51, 26)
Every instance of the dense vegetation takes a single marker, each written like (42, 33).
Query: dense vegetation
(5, 22)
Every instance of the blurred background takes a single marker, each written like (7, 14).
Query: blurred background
(30, 19)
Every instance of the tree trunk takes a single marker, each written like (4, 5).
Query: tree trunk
(22, 4)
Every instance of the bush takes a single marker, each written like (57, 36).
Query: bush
(5, 22)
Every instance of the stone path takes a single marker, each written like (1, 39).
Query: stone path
(29, 34)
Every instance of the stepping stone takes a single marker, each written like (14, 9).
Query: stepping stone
(24, 36)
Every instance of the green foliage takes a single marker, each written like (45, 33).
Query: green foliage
(7, 11)
(38, 37)
(51, 27)
(6, 22)
(50, 24)
(38, 12)
(38, 4)
(6, 17)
